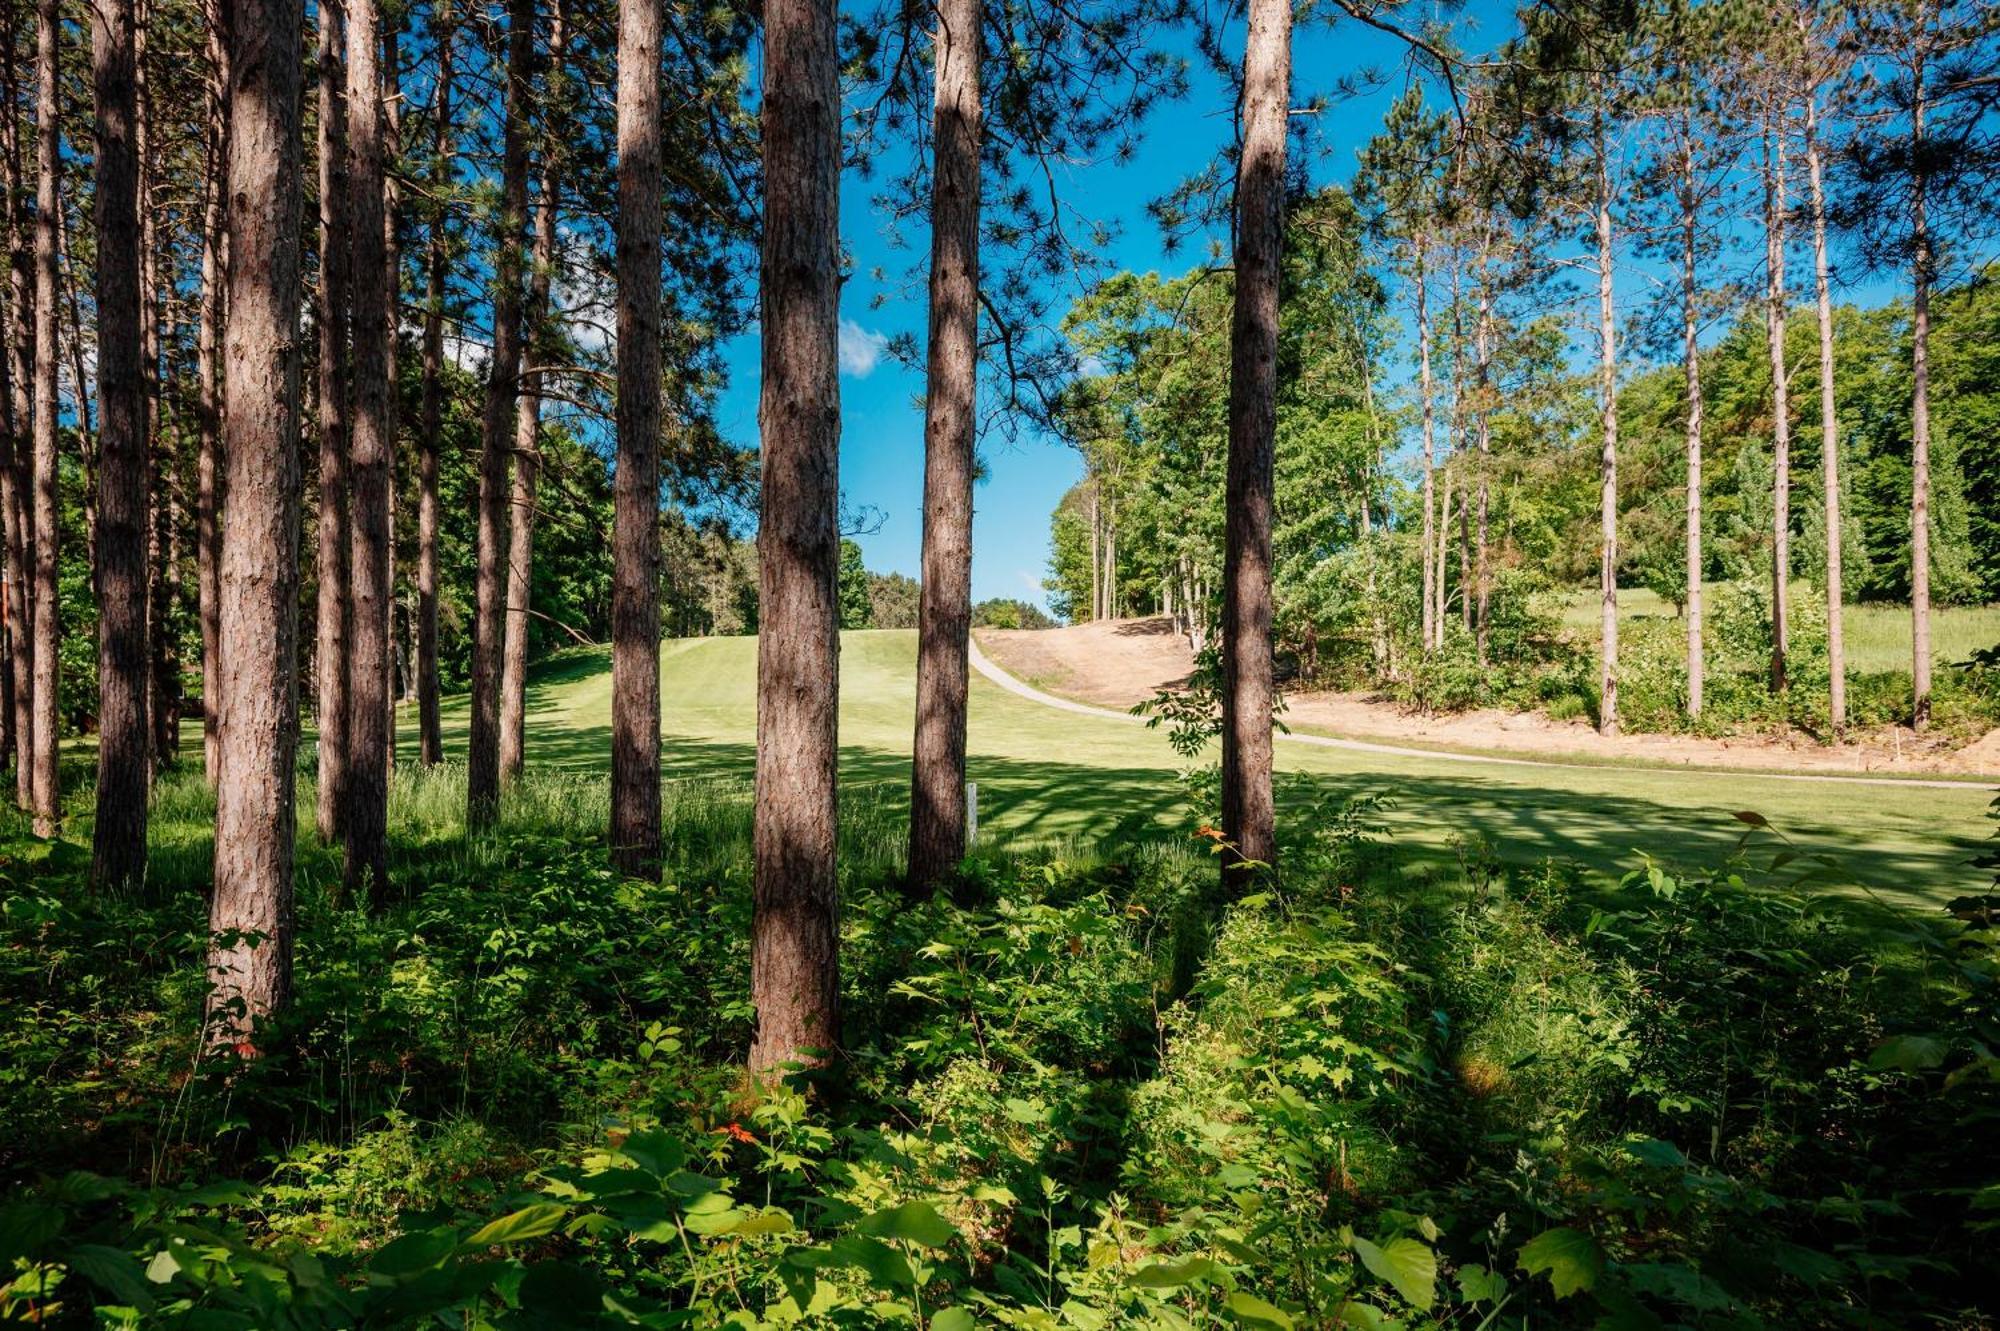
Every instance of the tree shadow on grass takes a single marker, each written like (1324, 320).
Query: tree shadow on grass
(1436, 822)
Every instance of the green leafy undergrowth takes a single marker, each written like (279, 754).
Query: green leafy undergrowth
(1078, 1093)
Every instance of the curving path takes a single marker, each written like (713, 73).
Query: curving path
(985, 666)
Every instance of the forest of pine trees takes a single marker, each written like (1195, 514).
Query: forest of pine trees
(360, 358)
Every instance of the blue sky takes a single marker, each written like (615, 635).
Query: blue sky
(881, 453)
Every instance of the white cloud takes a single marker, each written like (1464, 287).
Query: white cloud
(861, 349)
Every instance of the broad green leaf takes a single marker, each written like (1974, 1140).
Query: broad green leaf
(1572, 1259)
(1406, 1264)
(24, 1228)
(1476, 1284)
(530, 1222)
(1908, 1053)
(655, 1152)
(914, 1222)
(114, 1270)
(413, 1254)
(953, 1319)
(1363, 1316)
(1165, 1275)
(882, 1263)
(1253, 1311)
(716, 1220)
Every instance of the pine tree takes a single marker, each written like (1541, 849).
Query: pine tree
(118, 839)
(795, 936)
(540, 349)
(47, 627)
(937, 787)
(250, 912)
(1248, 689)
(372, 435)
(498, 423)
(334, 602)
(635, 609)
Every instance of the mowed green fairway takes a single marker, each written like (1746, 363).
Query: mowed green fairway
(1052, 776)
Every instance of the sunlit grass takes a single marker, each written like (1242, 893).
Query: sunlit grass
(1076, 784)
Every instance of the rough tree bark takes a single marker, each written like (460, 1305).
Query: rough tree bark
(332, 665)
(15, 479)
(13, 553)
(250, 912)
(118, 839)
(1249, 818)
(163, 594)
(1781, 401)
(527, 437)
(1829, 428)
(47, 628)
(20, 481)
(795, 930)
(496, 441)
(635, 597)
(944, 614)
(208, 393)
(372, 433)
(430, 731)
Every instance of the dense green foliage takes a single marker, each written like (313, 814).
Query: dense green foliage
(1348, 553)
(1083, 1093)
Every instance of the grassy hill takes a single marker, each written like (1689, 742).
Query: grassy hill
(1052, 776)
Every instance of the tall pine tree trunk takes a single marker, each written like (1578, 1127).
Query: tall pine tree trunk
(1691, 371)
(1829, 430)
(372, 427)
(1921, 277)
(118, 840)
(13, 554)
(795, 932)
(21, 366)
(527, 440)
(208, 396)
(47, 627)
(944, 615)
(635, 570)
(496, 441)
(1248, 687)
(1781, 401)
(250, 912)
(332, 664)
(1483, 355)
(1607, 388)
(1424, 396)
(15, 480)
(163, 594)
(430, 731)
(390, 81)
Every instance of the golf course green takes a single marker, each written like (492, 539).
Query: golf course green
(1051, 775)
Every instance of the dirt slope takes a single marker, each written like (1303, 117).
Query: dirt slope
(1116, 663)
